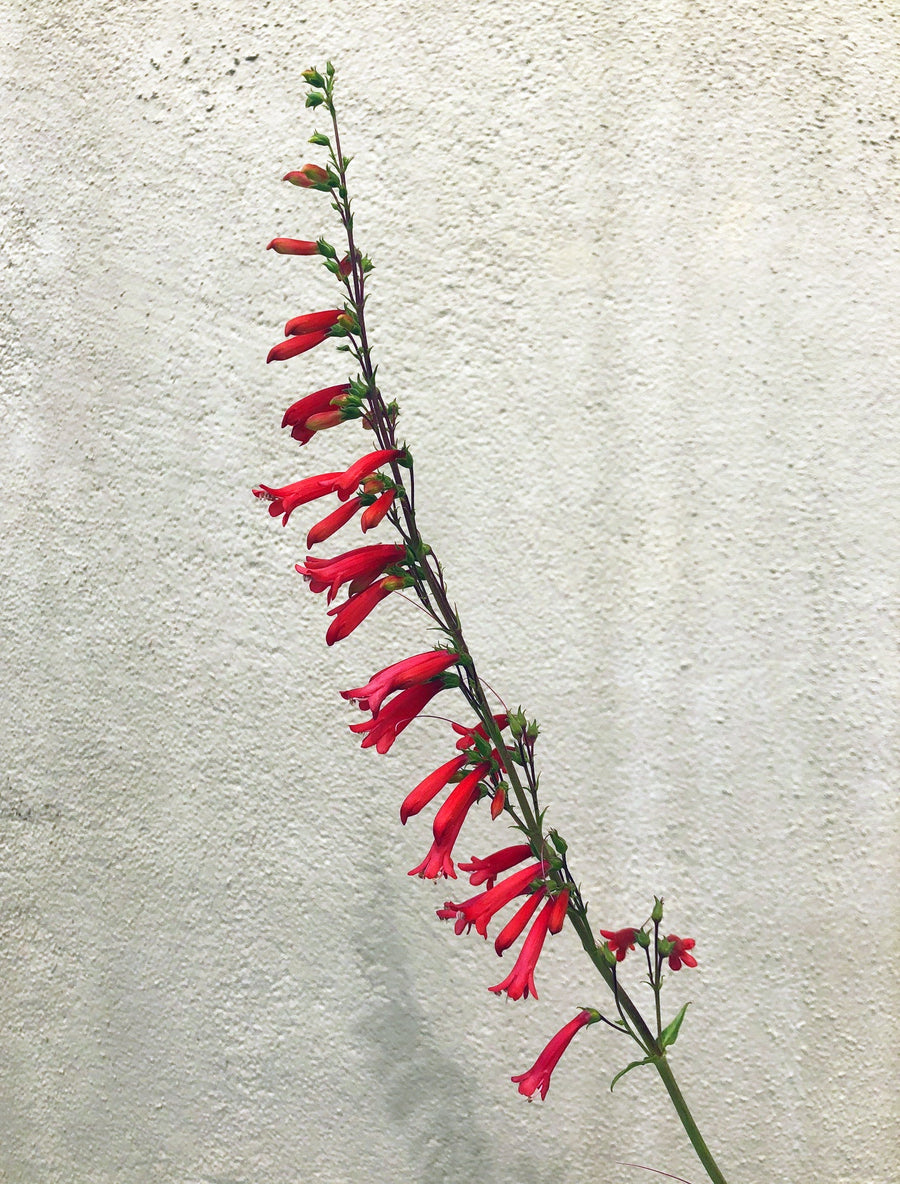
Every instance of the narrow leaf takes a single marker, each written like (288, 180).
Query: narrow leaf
(670, 1032)
(633, 1065)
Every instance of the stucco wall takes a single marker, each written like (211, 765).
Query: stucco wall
(636, 292)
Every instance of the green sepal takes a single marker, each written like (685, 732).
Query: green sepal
(313, 78)
(314, 99)
(657, 915)
(628, 1068)
(366, 264)
(329, 69)
(558, 842)
(326, 249)
(642, 937)
(517, 723)
(669, 1034)
(321, 139)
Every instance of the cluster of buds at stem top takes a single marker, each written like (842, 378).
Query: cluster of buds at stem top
(394, 697)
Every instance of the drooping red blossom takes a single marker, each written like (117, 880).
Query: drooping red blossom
(286, 499)
(312, 322)
(620, 941)
(324, 402)
(498, 801)
(293, 246)
(308, 176)
(294, 346)
(374, 513)
(513, 928)
(364, 467)
(459, 802)
(519, 983)
(488, 869)
(559, 911)
(359, 567)
(678, 955)
(438, 861)
(428, 789)
(479, 909)
(384, 728)
(406, 673)
(356, 608)
(332, 522)
(538, 1076)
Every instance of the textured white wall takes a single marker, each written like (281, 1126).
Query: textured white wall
(636, 289)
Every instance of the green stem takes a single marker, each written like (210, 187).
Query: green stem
(687, 1121)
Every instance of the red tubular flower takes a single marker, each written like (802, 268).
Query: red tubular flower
(538, 1076)
(356, 608)
(511, 930)
(309, 176)
(459, 802)
(678, 955)
(620, 941)
(479, 909)
(407, 673)
(374, 513)
(364, 467)
(332, 522)
(312, 322)
(383, 729)
(294, 346)
(428, 789)
(325, 401)
(488, 869)
(293, 246)
(559, 911)
(519, 983)
(359, 567)
(285, 500)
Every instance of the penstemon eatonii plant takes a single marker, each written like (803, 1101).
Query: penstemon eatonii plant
(493, 762)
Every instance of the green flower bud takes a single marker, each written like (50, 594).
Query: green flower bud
(657, 914)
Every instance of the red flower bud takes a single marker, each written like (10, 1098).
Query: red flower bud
(293, 246)
(310, 176)
(312, 322)
(294, 346)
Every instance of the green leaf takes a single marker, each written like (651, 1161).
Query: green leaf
(627, 1069)
(669, 1034)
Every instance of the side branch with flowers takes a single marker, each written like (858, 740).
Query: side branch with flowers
(493, 760)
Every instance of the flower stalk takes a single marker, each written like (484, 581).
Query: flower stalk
(496, 755)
